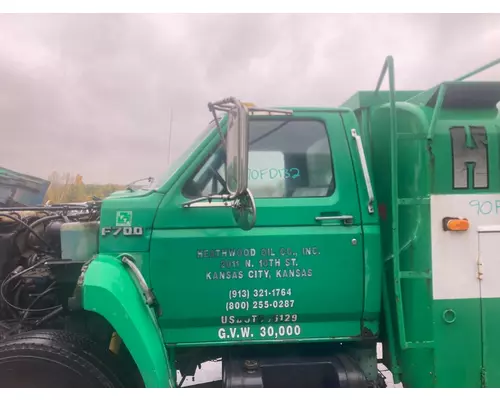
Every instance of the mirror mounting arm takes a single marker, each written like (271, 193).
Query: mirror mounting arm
(226, 201)
(224, 105)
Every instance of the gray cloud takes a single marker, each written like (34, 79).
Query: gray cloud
(91, 93)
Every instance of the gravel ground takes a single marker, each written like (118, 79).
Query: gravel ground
(211, 371)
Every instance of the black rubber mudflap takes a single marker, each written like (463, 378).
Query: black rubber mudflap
(349, 373)
(55, 359)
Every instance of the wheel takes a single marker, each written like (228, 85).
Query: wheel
(55, 359)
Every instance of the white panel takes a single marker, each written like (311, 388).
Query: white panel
(455, 254)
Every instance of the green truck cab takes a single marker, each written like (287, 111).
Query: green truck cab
(289, 243)
(308, 271)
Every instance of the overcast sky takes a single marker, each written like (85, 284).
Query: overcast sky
(91, 94)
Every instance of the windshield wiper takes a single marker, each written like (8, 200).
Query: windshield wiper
(150, 179)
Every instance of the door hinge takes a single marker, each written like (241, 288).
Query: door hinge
(483, 377)
(479, 269)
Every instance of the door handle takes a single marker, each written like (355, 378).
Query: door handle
(347, 219)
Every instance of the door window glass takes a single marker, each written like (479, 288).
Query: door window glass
(287, 158)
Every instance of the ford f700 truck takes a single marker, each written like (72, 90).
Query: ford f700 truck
(286, 243)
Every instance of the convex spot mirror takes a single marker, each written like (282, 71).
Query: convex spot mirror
(244, 211)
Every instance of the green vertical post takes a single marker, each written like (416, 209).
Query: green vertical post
(437, 108)
(389, 68)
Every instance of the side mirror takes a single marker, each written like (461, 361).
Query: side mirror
(237, 149)
(240, 199)
(236, 142)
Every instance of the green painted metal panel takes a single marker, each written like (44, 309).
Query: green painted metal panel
(458, 343)
(244, 302)
(366, 99)
(491, 344)
(110, 290)
(141, 206)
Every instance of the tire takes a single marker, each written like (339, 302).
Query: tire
(55, 359)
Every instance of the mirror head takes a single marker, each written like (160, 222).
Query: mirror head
(237, 150)
(236, 143)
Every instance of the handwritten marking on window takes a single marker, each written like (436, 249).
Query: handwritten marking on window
(273, 173)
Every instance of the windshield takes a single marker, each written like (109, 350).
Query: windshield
(179, 161)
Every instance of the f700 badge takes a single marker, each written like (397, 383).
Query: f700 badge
(122, 230)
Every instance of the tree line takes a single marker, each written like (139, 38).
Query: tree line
(70, 188)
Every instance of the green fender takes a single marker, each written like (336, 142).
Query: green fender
(110, 290)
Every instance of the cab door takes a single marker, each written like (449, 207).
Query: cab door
(298, 274)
